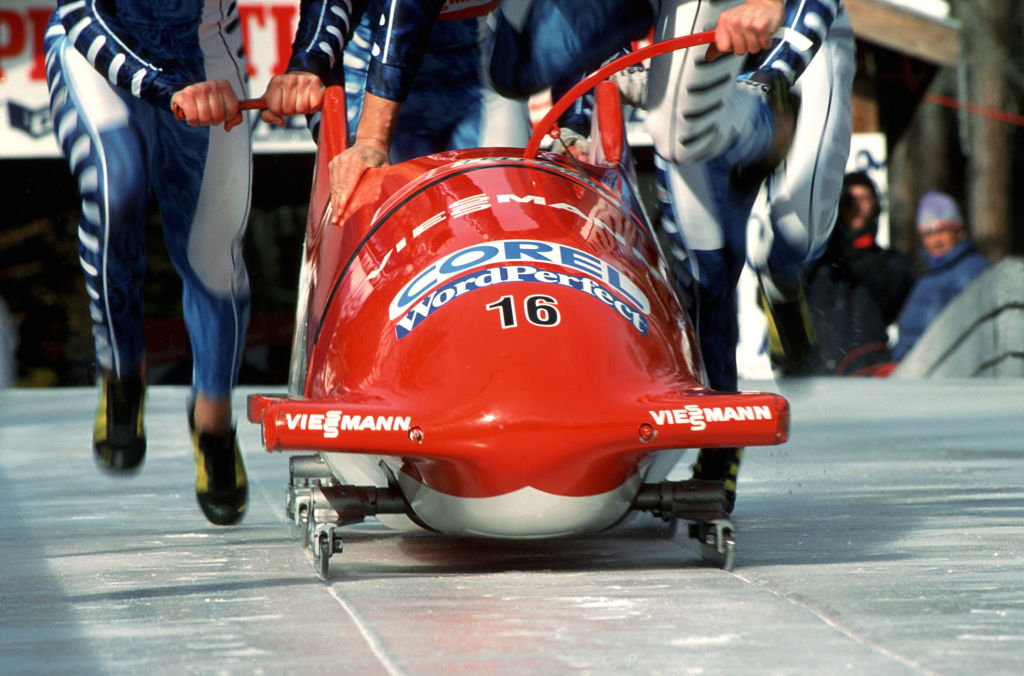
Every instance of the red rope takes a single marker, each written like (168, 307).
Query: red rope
(985, 111)
(550, 120)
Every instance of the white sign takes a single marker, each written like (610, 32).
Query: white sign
(268, 27)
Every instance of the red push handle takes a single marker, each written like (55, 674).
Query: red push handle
(244, 104)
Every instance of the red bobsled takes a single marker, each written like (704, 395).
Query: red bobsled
(489, 344)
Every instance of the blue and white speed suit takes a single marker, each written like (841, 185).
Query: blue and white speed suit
(450, 103)
(429, 54)
(704, 212)
(112, 68)
(548, 43)
(703, 125)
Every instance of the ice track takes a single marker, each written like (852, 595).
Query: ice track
(886, 537)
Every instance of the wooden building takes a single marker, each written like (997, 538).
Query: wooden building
(899, 54)
(899, 51)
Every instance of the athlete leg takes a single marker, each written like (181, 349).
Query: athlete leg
(502, 122)
(203, 192)
(704, 220)
(696, 109)
(487, 118)
(804, 190)
(96, 132)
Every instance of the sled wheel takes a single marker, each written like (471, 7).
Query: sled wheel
(722, 554)
(717, 540)
(322, 555)
(300, 526)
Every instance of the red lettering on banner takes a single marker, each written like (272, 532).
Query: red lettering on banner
(39, 18)
(245, 14)
(284, 29)
(283, 20)
(12, 36)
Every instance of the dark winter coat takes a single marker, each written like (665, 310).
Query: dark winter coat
(946, 277)
(853, 294)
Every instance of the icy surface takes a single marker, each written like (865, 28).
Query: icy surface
(886, 537)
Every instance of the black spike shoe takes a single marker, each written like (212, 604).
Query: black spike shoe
(792, 343)
(221, 485)
(720, 464)
(119, 436)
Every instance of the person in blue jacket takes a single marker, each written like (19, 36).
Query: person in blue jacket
(953, 263)
(116, 71)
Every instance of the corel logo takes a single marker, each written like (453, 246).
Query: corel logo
(516, 251)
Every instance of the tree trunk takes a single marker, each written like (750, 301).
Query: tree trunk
(987, 29)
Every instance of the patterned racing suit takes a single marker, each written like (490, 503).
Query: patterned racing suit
(112, 68)
(431, 55)
(450, 104)
(705, 211)
(704, 123)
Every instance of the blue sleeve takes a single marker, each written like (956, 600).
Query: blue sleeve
(114, 52)
(399, 44)
(325, 27)
(805, 28)
(561, 40)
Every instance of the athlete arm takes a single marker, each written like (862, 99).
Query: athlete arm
(749, 28)
(806, 25)
(112, 50)
(399, 45)
(208, 103)
(370, 150)
(325, 27)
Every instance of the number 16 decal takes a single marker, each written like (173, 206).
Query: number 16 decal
(540, 310)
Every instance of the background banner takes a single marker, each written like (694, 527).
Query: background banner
(25, 129)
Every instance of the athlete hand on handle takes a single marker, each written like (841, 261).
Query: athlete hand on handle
(208, 103)
(748, 28)
(296, 92)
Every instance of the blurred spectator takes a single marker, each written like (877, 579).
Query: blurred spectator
(953, 263)
(857, 288)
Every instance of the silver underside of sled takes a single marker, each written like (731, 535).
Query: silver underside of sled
(319, 506)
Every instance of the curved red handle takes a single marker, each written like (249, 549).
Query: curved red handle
(584, 85)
